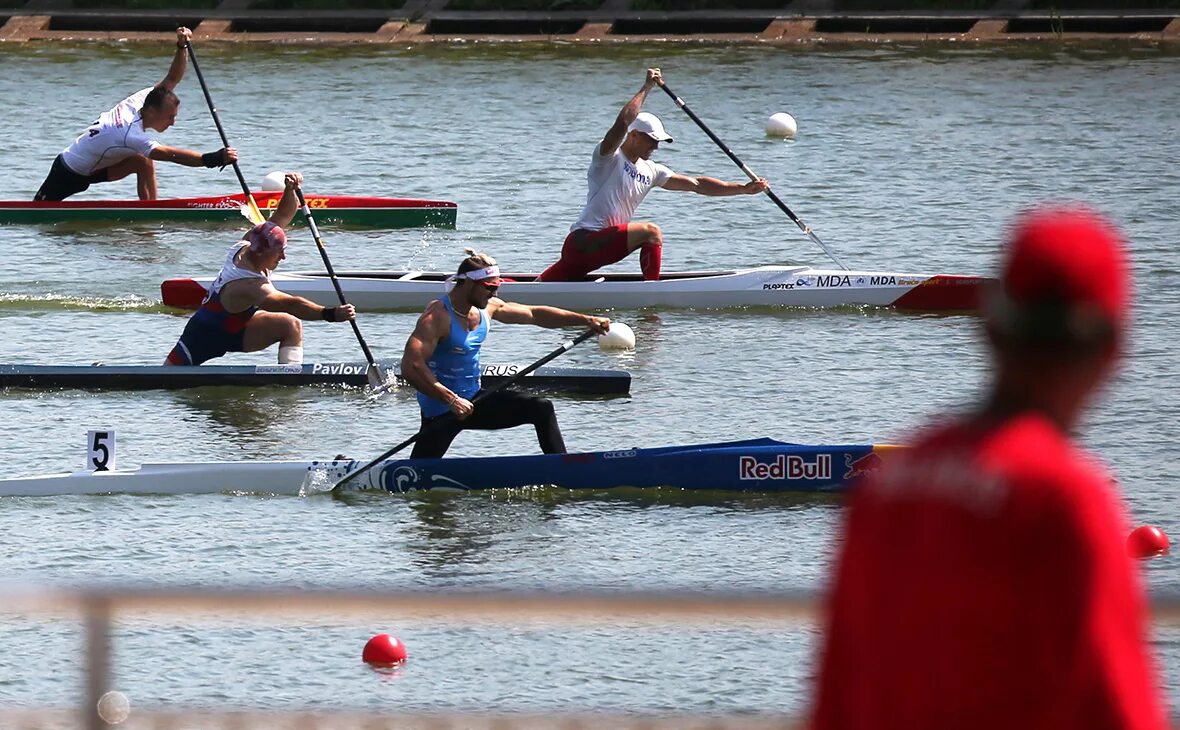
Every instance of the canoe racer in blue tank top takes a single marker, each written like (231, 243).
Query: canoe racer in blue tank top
(441, 360)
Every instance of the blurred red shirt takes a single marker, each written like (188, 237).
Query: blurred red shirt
(983, 583)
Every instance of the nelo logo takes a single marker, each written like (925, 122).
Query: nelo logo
(786, 466)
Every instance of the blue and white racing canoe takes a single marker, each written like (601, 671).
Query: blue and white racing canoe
(756, 465)
(590, 381)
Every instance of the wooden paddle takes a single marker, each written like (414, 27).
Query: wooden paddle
(250, 210)
(375, 375)
(750, 173)
(338, 487)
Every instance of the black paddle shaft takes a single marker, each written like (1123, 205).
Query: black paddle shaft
(483, 394)
(192, 54)
(750, 173)
(319, 242)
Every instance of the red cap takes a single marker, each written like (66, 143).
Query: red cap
(265, 237)
(1067, 261)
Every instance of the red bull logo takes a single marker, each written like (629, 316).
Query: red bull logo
(856, 468)
(786, 466)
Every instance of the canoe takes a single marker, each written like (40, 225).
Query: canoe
(349, 210)
(590, 381)
(763, 286)
(756, 465)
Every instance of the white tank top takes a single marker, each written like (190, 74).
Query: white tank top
(616, 188)
(230, 271)
(117, 135)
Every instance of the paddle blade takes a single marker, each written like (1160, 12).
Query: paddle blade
(250, 211)
(378, 378)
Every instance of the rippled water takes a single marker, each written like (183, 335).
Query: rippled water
(908, 159)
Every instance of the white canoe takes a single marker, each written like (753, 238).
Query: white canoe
(261, 477)
(764, 286)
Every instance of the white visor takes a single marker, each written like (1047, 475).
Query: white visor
(485, 273)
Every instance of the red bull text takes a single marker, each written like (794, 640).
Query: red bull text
(786, 466)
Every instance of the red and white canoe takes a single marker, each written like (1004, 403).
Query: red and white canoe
(763, 286)
(352, 210)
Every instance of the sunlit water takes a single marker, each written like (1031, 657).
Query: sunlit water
(907, 159)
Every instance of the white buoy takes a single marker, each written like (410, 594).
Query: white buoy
(781, 125)
(618, 337)
(274, 182)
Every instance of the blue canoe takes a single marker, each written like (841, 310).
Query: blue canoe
(754, 465)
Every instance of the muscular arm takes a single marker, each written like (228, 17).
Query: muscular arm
(192, 158)
(419, 347)
(179, 61)
(542, 316)
(178, 155)
(618, 131)
(289, 203)
(274, 300)
(713, 187)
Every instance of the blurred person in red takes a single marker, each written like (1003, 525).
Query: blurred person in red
(983, 581)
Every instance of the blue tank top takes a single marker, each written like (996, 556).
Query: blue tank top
(455, 361)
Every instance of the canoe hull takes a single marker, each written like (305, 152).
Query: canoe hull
(757, 465)
(587, 381)
(349, 210)
(766, 286)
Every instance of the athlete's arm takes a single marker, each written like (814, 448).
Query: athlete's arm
(179, 61)
(618, 131)
(192, 158)
(428, 332)
(543, 316)
(274, 300)
(289, 203)
(715, 188)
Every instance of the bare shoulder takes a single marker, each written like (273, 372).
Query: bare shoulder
(252, 289)
(434, 320)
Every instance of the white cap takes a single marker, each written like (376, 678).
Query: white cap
(650, 125)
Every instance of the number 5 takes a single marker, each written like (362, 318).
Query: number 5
(100, 450)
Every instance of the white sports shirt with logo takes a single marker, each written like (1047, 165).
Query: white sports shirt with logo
(617, 187)
(117, 135)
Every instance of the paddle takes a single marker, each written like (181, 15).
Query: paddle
(750, 173)
(376, 377)
(337, 488)
(250, 210)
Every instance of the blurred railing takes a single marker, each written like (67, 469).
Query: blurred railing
(99, 606)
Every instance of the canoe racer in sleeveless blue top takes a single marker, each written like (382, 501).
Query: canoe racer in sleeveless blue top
(441, 360)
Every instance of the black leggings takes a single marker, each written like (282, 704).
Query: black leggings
(502, 409)
(62, 182)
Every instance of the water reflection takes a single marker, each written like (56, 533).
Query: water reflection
(245, 415)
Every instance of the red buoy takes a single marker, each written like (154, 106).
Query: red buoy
(1147, 541)
(384, 649)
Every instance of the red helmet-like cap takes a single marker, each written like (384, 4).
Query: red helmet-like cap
(265, 237)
